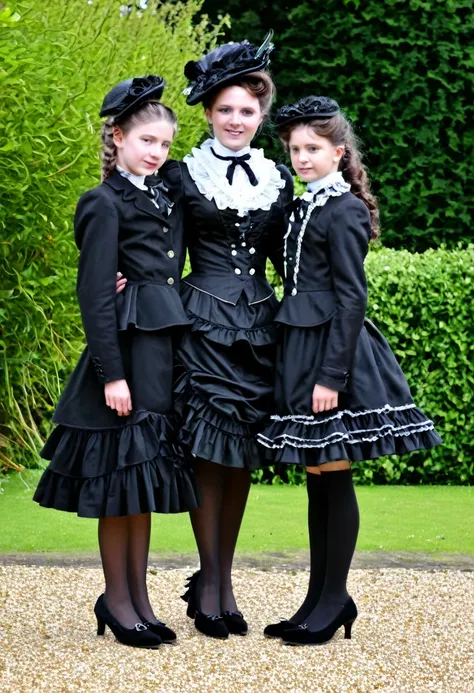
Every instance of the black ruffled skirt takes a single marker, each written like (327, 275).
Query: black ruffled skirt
(225, 373)
(103, 465)
(376, 415)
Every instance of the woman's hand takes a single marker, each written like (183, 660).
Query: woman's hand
(117, 396)
(324, 399)
(121, 283)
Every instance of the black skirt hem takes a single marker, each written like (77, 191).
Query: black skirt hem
(352, 436)
(207, 434)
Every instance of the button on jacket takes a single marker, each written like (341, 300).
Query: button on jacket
(228, 252)
(137, 240)
(325, 280)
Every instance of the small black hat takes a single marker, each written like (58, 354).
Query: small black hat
(308, 108)
(223, 65)
(129, 94)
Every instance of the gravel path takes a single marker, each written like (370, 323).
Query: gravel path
(415, 634)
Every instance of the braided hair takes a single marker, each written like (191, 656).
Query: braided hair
(146, 113)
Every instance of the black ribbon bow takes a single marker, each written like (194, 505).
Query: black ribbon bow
(237, 161)
(157, 192)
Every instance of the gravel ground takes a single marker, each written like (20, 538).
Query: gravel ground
(414, 634)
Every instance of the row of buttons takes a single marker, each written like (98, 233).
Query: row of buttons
(239, 271)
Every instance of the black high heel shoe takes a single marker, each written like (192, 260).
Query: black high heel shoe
(166, 635)
(212, 625)
(301, 635)
(235, 622)
(277, 630)
(139, 636)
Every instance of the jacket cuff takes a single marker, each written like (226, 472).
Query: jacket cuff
(334, 379)
(107, 374)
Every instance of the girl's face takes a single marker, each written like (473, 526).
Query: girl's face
(144, 148)
(312, 156)
(235, 116)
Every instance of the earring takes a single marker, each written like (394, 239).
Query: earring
(335, 159)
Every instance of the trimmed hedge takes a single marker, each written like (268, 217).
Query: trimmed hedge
(423, 304)
(403, 71)
(57, 62)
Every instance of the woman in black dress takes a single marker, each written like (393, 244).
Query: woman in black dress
(233, 200)
(341, 396)
(113, 454)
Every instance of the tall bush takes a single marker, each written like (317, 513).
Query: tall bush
(403, 71)
(57, 61)
(423, 304)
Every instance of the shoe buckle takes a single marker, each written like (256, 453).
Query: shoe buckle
(140, 626)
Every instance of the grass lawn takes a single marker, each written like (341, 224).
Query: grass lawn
(393, 518)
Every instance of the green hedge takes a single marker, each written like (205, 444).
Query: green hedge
(423, 304)
(57, 61)
(403, 70)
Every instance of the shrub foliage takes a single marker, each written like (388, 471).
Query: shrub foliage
(58, 59)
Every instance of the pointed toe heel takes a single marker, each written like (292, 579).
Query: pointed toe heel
(139, 636)
(277, 630)
(235, 622)
(301, 635)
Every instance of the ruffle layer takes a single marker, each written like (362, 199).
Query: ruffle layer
(222, 334)
(347, 435)
(149, 307)
(114, 472)
(227, 324)
(205, 433)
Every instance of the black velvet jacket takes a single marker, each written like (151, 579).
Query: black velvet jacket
(228, 253)
(118, 228)
(325, 280)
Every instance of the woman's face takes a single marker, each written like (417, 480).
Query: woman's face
(235, 116)
(312, 156)
(144, 148)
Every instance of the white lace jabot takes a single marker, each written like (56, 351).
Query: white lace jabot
(209, 174)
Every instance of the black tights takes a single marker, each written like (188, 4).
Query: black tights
(216, 524)
(124, 545)
(333, 530)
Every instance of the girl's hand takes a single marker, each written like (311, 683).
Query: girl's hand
(324, 399)
(117, 396)
(121, 283)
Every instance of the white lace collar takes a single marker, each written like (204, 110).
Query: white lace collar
(333, 185)
(138, 181)
(209, 174)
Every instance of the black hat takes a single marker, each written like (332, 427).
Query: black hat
(223, 65)
(129, 94)
(308, 108)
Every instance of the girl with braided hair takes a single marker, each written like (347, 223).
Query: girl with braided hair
(113, 454)
(341, 396)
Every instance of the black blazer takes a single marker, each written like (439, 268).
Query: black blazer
(118, 228)
(228, 253)
(325, 280)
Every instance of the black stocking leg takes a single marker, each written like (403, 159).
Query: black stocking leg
(236, 491)
(113, 543)
(317, 528)
(205, 521)
(342, 531)
(139, 528)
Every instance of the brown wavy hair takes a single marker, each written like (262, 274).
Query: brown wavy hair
(258, 84)
(150, 111)
(339, 132)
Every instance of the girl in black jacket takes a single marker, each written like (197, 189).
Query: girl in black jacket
(112, 455)
(341, 396)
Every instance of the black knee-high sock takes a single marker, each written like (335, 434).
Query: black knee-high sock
(342, 532)
(205, 521)
(317, 529)
(113, 543)
(235, 493)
